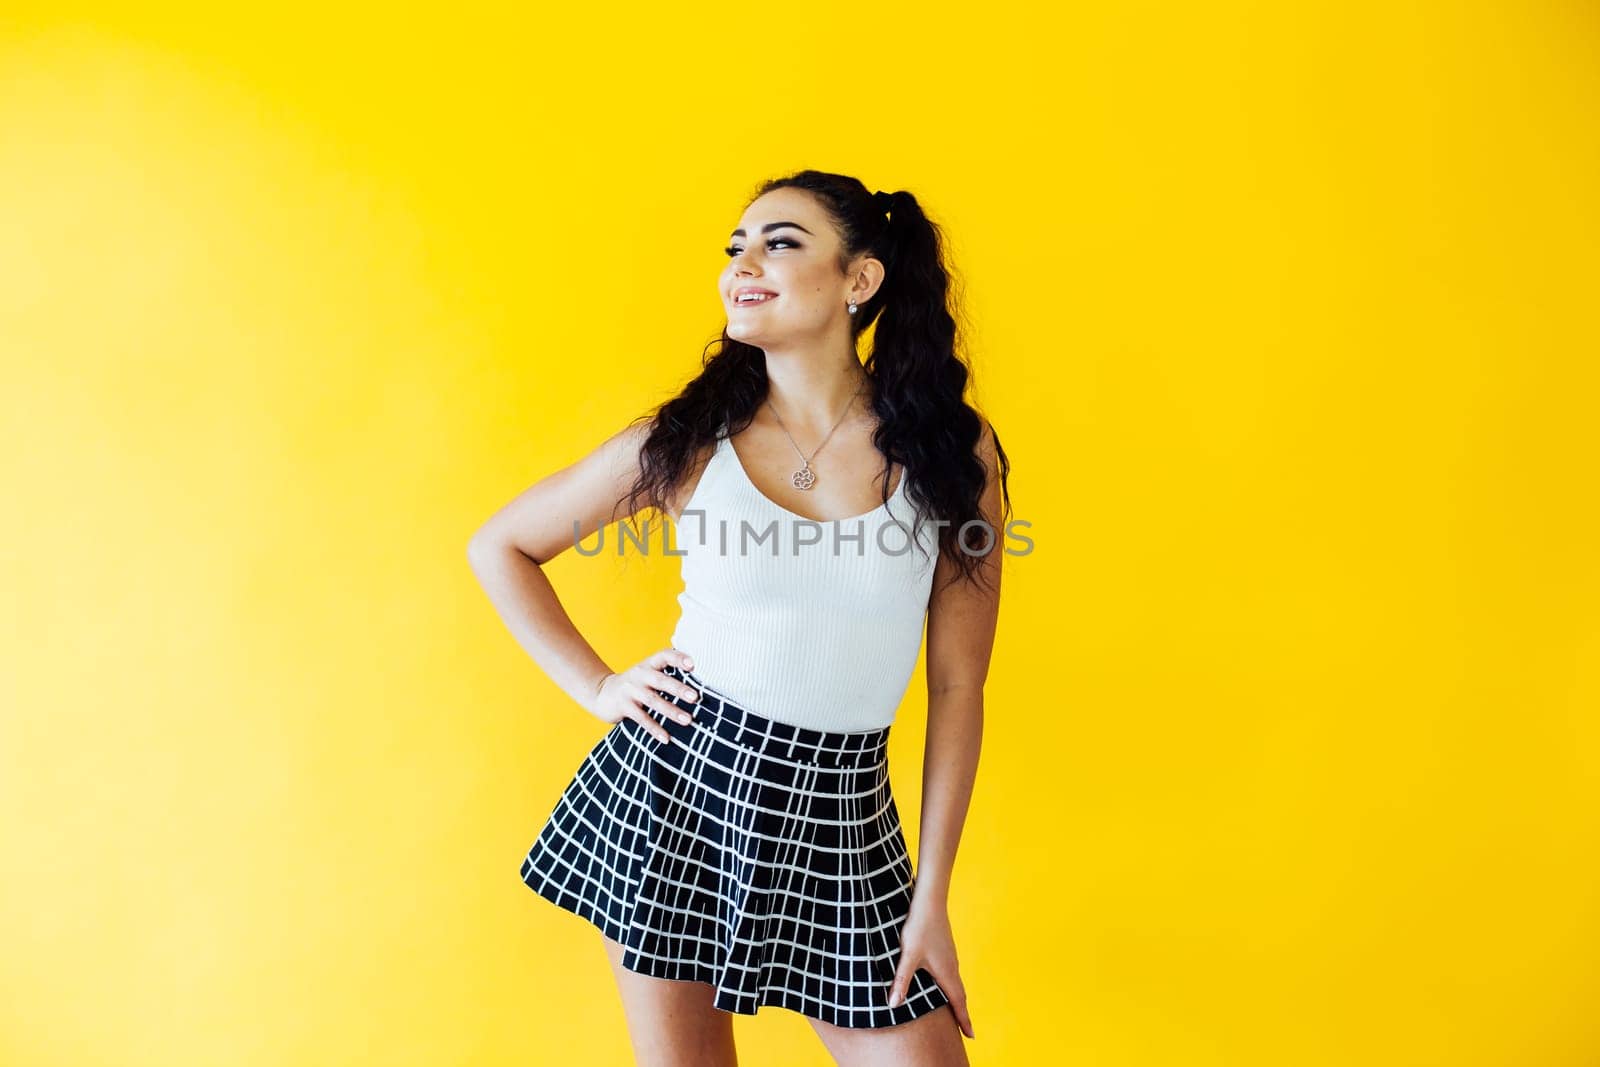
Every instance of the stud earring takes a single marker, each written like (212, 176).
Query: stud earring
(852, 307)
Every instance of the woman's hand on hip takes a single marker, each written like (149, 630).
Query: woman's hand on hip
(626, 694)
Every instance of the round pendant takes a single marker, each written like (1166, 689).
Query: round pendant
(804, 479)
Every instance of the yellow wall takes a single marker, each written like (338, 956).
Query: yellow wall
(1292, 742)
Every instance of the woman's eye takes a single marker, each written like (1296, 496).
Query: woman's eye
(733, 250)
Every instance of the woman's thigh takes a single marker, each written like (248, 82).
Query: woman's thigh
(931, 1040)
(672, 1023)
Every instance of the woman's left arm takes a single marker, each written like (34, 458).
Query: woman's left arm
(961, 629)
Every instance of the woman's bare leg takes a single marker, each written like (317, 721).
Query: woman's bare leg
(672, 1023)
(931, 1040)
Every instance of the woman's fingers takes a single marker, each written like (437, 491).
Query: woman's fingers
(663, 684)
(647, 693)
(643, 696)
(655, 729)
(956, 992)
(669, 711)
(677, 658)
(671, 656)
(909, 963)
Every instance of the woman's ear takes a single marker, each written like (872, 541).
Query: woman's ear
(868, 273)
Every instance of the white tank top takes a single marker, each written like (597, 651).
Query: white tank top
(812, 623)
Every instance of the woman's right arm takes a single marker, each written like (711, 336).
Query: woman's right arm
(507, 552)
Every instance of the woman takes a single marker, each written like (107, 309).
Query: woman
(733, 836)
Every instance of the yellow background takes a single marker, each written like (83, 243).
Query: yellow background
(1284, 312)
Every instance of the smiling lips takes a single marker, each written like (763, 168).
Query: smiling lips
(749, 296)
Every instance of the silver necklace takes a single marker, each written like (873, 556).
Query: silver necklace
(805, 477)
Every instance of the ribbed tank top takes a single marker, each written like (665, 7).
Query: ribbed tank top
(812, 623)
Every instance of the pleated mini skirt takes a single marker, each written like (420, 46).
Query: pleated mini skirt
(762, 858)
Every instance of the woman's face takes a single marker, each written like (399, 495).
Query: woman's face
(786, 245)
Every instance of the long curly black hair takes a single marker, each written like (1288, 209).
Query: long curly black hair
(916, 378)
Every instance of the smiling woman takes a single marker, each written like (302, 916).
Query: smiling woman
(734, 836)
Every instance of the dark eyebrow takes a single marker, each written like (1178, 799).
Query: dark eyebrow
(769, 227)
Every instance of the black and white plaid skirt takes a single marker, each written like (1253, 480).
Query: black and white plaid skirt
(762, 858)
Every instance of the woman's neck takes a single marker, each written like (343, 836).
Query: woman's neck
(812, 398)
